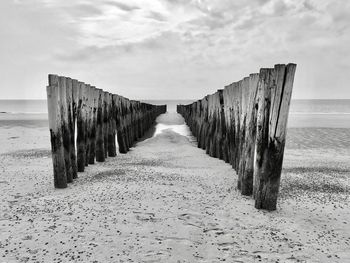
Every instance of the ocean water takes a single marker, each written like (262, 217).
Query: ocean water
(303, 113)
(23, 106)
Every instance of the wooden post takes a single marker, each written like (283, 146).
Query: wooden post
(126, 124)
(249, 147)
(75, 99)
(204, 128)
(105, 123)
(54, 112)
(243, 115)
(81, 128)
(100, 151)
(71, 126)
(228, 112)
(62, 83)
(87, 123)
(121, 127)
(235, 124)
(112, 151)
(94, 103)
(275, 89)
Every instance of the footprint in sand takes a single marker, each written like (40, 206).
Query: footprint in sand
(191, 219)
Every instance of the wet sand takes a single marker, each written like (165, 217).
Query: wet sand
(167, 201)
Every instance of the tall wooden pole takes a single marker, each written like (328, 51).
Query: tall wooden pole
(105, 123)
(275, 90)
(81, 128)
(75, 100)
(247, 168)
(100, 150)
(71, 126)
(62, 83)
(112, 151)
(54, 111)
(93, 124)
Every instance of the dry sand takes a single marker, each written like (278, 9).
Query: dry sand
(167, 201)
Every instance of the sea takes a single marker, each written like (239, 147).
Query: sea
(302, 113)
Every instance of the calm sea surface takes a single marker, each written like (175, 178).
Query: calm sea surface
(303, 113)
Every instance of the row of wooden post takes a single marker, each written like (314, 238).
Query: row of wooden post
(84, 122)
(245, 125)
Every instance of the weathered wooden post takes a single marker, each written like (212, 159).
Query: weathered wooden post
(81, 128)
(112, 150)
(62, 84)
(243, 115)
(223, 129)
(87, 124)
(75, 99)
(234, 123)
(204, 122)
(71, 125)
(275, 90)
(126, 124)
(220, 125)
(116, 113)
(141, 119)
(94, 102)
(247, 168)
(105, 123)
(121, 126)
(100, 150)
(54, 102)
(227, 96)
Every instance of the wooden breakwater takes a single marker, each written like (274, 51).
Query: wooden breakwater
(84, 122)
(245, 125)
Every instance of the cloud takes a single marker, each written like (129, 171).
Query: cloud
(122, 6)
(145, 44)
(308, 5)
(280, 8)
(84, 10)
(158, 16)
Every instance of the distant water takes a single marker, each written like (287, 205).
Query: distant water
(303, 113)
(320, 107)
(23, 106)
(319, 113)
(171, 104)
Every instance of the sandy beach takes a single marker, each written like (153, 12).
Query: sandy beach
(167, 201)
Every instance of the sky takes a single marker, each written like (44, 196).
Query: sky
(173, 49)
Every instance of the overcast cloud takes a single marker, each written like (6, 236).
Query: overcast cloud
(173, 49)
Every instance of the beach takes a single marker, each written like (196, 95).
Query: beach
(167, 201)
